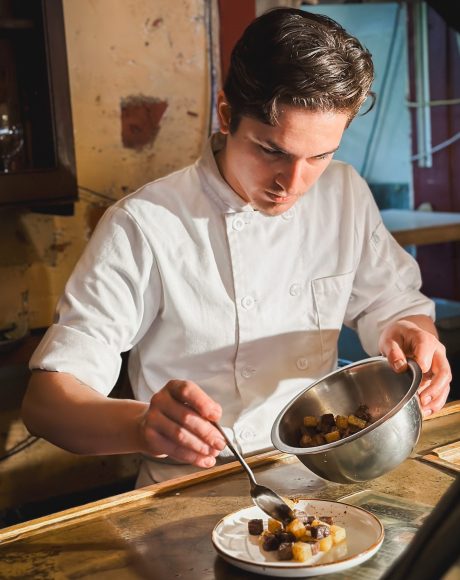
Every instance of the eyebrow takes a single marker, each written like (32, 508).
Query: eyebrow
(273, 145)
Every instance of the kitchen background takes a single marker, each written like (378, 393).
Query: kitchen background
(142, 77)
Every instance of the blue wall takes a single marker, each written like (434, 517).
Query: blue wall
(378, 144)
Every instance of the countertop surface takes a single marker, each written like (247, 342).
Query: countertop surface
(164, 530)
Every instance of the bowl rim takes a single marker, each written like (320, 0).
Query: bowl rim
(412, 365)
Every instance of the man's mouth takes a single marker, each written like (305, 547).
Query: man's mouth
(283, 198)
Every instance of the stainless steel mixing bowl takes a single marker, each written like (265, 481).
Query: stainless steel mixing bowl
(393, 403)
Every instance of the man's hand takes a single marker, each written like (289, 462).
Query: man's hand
(416, 337)
(178, 424)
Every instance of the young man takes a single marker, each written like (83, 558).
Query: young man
(229, 280)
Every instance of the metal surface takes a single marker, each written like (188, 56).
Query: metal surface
(393, 404)
(264, 497)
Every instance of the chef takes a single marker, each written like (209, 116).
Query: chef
(229, 280)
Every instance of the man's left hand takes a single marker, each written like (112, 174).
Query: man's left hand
(416, 337)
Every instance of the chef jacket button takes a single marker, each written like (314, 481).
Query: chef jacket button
(247, 372)
(288, 214)
(294, 290)
(247, 434)
(247, 302)
(238, 224)
(302, 363)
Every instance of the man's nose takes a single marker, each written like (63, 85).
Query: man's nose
(290, 179)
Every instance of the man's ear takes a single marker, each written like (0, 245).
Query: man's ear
(223, 113)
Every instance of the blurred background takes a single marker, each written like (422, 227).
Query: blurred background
(98, 97)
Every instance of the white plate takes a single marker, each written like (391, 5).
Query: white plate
(365, 534)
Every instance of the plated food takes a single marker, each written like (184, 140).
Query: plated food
(364, 536)
(307, 535)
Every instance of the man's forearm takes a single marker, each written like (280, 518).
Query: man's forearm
(73, 416)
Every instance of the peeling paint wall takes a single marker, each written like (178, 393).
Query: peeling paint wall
(140, 106)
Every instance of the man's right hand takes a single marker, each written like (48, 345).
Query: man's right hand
(178, 424)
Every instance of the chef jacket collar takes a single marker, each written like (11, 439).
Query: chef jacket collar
(213, 182)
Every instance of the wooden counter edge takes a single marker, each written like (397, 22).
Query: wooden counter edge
(448, 409)
(35, 526)
(93, 509)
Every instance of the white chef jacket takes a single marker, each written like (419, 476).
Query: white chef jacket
(200, 286)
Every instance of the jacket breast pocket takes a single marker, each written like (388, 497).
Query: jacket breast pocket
(331, 295)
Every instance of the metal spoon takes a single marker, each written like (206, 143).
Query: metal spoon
(264, 497)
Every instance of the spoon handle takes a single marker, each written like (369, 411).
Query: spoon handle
(237, 454)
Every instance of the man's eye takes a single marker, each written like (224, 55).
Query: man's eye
(323, 157)
(269, 151)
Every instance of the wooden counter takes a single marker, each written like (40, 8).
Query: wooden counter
(164, 531)
(422, 227)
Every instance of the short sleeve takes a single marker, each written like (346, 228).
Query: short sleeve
(109, 301)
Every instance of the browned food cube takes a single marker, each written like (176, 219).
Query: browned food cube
(284, 537)
(284, 551)
(352, 429)
(306, 441)
(270, 542)
(307, 430)
(305, 518)
(332, 436)
(342, 422)
(320, 531)
(310, 421)
(363, 413)
(326, 422)
(255, 527)
(314, 544)
(318, 439)
(329, 520)
(354, 421)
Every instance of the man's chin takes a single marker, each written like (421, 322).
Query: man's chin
(273, 209)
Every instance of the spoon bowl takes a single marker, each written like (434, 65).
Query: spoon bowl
(265, 498)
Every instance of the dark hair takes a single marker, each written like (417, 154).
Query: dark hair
(289, 56)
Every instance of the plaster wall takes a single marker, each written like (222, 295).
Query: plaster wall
(140, 91)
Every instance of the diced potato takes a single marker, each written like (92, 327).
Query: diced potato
(314, 544)
(356, 421)
(325, 544)
(274, 525)
(332, 436)
(296, 528)
(306, 441)
(318, 439)
(342, 422)
(338, 533)
(301, 552)
(310, 421)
